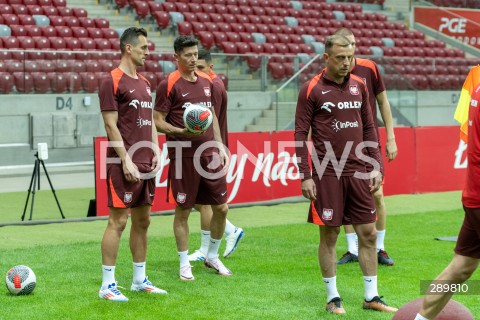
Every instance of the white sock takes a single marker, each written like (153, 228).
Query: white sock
(139, 273)
(205, 241)
(108, 275)
(229, 227)
(370, 284)
(380, 240)
(331, 287)
(183, 255)
(213, 249)
(419, 317)
(352, 241)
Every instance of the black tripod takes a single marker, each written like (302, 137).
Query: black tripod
(33, 182)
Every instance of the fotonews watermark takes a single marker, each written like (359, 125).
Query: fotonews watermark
(277, 162)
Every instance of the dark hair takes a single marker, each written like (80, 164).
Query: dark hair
(343, 32)
(204, 55)
(184, 42)
(336, 40)
(130, 36)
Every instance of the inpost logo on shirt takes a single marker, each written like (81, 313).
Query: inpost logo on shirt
(339, 125)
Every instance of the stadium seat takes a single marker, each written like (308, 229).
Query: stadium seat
(106, 65)
(87, 44)
(63, 31)
(162, 18)
(65, 12)
(102, 44)
(14, 31)
(276, 69)
(242, 48)
(34, 10)
(219, 37)
(45, 3)
(95, 33)
(57, 21)
(26, 42)
(23, 82)
(6, 82)
(79, 32)
(86, 22)
(206, 39)
(80, 12)
(44, 43)
(233, 36)
(73, 43)
(19, 9)
(41, 82)
(141, 9)
(281, 48)
(50, 11)
(101, 23)
(228, 47)
(184, 27)
(58, 82)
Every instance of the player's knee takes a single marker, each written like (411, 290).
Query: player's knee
(221, 210)
(118, 223)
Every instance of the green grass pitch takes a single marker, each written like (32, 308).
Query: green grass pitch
(276, 273)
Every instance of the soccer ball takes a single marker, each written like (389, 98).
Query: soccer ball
(197, 118)
(20, 280)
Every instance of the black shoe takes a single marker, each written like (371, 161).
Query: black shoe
(347, 258)
(384, 259)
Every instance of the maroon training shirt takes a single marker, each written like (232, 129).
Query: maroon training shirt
(132, 99)
(368, 71)
(338, 114)
(221, 105)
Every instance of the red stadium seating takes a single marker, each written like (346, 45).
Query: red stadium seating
(79, 12)
(41, 82)
(162, 18)
(23, 82)
(6, 82)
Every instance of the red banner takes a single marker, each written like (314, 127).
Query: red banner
(462, 24)
(262, 168)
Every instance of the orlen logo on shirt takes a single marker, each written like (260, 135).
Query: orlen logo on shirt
(339, 125)
(342, 105)
(143, 122)
(143, 104)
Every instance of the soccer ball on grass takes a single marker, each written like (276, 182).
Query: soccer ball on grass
(20, 280)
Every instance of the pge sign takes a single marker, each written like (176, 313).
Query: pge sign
(453, 25)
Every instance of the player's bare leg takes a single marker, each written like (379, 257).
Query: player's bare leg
(367, 254)
(181, 231)
(367, 257)
(328, 267)
(138, 246)
(383, 257)
(217, 227)
(117, 222)
(458, 271)
(138, 232)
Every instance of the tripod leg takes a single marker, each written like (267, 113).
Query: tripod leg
(37, 168)
(51, 187)
(29, 189)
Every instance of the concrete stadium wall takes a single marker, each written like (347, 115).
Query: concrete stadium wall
(27, 119)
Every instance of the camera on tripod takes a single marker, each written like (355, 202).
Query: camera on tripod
(40, 155)
(42, 149)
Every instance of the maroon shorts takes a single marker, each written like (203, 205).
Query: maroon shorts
(187, 187)
(124, 194)
(468, 243)
(342, 201)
